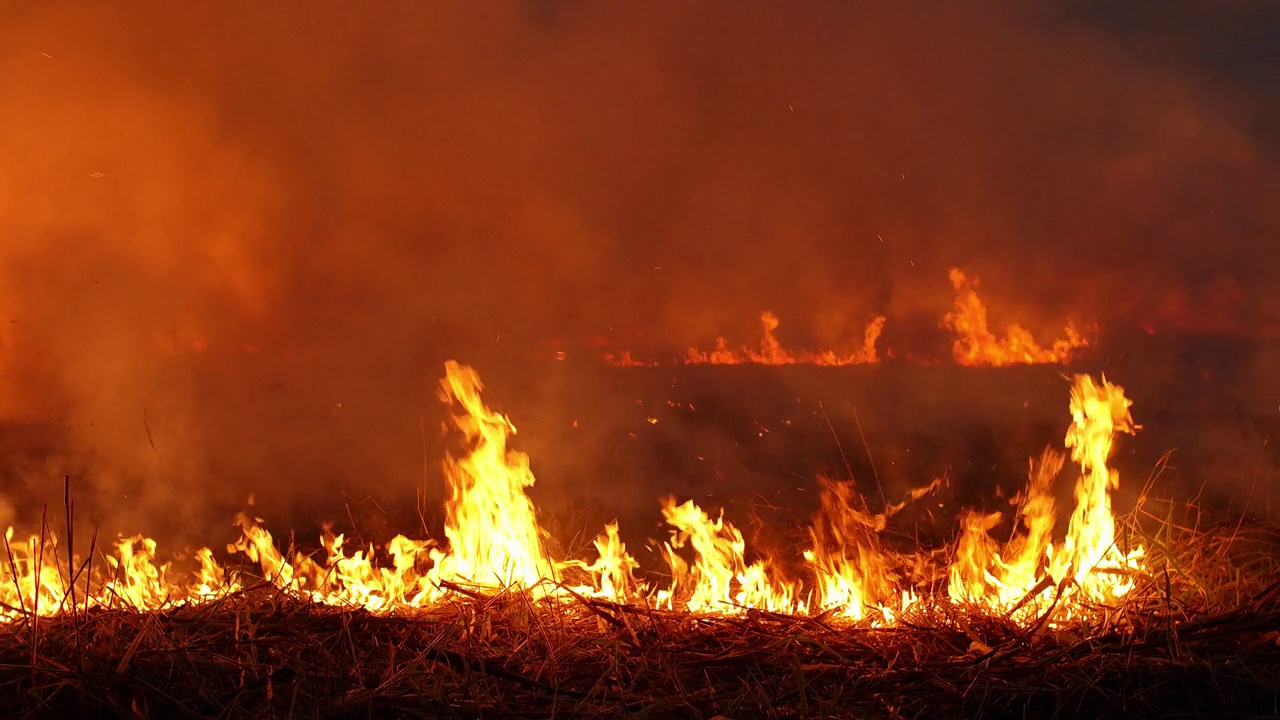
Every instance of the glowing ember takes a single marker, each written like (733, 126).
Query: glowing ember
(977, 344)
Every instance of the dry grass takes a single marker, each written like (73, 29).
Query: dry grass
(1199, 637)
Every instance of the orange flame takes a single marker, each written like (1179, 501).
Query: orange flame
(1001, 580)
(1088, 567)
(1090, 554)
(852, 573)
(771, 351)
(719, 580)
(976, 344)
(490, 522)
(494, 541)
(626, 359)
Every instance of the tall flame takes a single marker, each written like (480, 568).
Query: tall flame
(984, 574)
(493, 535)
(852, 573)
(1090, 554)
(1088, 566)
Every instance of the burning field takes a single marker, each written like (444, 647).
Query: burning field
(1157, 611)
(868, 361)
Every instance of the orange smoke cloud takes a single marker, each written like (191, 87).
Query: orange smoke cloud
(221, 221)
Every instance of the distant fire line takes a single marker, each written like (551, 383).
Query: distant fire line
(975, 344)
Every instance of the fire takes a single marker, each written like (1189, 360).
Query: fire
(613, 569)
(1090, 555)
(493, 535)
(37, 580)
(719, 580)
(626, 359)
(852, 573)
(1002, 579)
(491, 525)
(135, 578)
(852, 577)
(494, 543)
(977, 344)
(772, 352)
(1088, 567)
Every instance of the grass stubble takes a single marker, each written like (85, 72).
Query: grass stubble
(1199, 636)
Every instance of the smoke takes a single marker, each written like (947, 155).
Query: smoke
(239, 238)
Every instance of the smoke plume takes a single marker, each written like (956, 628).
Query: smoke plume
(240, 237)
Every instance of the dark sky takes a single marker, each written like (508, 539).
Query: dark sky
(213, 211)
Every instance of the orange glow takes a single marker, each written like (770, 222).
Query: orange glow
(493, 542)
(977, 344)
(1090, 555)
(625, 359)
(770, 351)
(852, 573)
(719, 580)
(1088, 567)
